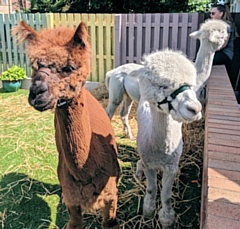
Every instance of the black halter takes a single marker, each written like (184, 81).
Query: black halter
(173, 96)
(63, 103)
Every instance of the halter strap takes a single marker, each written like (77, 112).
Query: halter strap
(63, 103)
(173, 96)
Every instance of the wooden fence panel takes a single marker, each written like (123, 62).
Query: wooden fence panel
(143, 33)
(119, 38)
(10, 54)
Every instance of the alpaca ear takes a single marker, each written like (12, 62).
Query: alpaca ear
(195, 34)
(81, 36)
(24, 32)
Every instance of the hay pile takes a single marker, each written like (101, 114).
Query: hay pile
(186, 196)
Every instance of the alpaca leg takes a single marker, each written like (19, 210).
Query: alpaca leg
(75, 215)
(116, 92)
(109, 215)
(167, 214)
(139, 170)
(124, 113)
(149, 204)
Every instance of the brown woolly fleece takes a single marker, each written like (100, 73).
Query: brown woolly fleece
(88, 168)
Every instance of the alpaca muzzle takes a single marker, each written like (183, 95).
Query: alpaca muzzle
(39, 96)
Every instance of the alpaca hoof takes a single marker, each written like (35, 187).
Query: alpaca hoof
(167, 219)
(139, 175)
(129, 134)
(74, 226)
(110, 225)
(148, 210)
(148, 213)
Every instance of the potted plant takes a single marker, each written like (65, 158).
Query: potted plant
(12, 78)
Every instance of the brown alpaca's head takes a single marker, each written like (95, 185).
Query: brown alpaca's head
(61, 61)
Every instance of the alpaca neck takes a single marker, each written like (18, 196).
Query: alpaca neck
(166, 132)
(203, 64)
(73, 132)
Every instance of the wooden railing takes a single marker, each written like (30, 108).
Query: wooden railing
(221, 167)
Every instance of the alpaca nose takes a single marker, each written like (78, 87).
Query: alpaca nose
(195, 109)
(42, 74)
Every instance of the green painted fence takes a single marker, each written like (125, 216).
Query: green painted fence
(10, 53)
(100, 27)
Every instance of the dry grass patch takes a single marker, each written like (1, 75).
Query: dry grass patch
(29, 188)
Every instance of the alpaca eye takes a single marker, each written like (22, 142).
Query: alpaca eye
(68, 69)
(163, 87)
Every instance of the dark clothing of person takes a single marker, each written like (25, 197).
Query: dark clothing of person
(225, 55)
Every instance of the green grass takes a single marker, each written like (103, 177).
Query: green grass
(29, 188)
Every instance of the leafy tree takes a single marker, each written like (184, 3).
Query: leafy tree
(119, 6)
(44, 6)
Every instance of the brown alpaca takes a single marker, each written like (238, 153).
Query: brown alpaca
(88, 168)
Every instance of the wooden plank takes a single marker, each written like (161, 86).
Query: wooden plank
(56, 21)
(21, 47)
(14, 42)
(221, 148)
(192, 42)
(183, 36)
(224, 174)
(124, 39)
(223, 127)
(215, 222)
(130, 38)
(232, 117)
(108, 42)
(156, 32)
(233, 123)
(224, 110)
(148, 33)
(224, 142)
(224, 156)
(225, 196)
(3, 65)
(225, 131)
(8, 41)
(227, 165)
(139, 26)
(224, 136)
(165, 30)
(175, 25)
(117, 40)
(225, 210)
(224, 184)
(93, 76)
(100, 41)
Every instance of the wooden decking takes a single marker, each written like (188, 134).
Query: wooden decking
(221, 169)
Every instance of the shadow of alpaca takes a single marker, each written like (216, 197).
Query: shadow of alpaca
(22, 203)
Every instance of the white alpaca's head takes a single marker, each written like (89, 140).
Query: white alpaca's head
(214, 31)
(166, 83)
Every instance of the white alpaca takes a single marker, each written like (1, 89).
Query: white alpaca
(212, 35)
(122, 89)
(125, 89)
(167, 100)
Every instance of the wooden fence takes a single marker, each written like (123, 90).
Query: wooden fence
(136, 34)
(100, 27)
(10, 54)
(115, 39)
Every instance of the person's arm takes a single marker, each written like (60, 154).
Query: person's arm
(226, 42)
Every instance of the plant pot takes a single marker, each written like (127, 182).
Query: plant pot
(11, 86)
